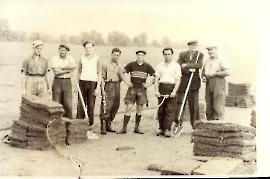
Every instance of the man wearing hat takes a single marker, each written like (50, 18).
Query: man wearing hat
(35, 76)
(112, 74)
(214, 72)
(63, 65)
(136, 93)
(89, 75)
(191, 61)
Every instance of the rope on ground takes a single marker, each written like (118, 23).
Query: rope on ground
(75, 163)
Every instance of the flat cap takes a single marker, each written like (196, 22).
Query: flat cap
(211, 45)
(65, 46)
(195, 42)
(141, 51)
(116, 50)
(37, 43)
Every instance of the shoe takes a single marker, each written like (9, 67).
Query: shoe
(108, 126)
(125, 123)
(137, 123)
(167, 133)
(160, 133)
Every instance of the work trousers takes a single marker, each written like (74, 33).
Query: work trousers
(36, 86)
(112, 101)
(215, 96)
(87, 89)
(166, 110)
(62, 93)
(193, 103)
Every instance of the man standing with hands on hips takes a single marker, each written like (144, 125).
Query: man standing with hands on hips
(189, 64)
(214, 72)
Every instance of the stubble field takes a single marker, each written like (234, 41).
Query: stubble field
(99, 156)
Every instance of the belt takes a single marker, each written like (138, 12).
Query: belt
(62, 78)
(164, 83)
(112, 81)
(36, 75)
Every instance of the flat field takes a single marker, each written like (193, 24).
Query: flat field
(99, 156)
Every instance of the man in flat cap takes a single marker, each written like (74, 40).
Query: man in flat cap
(89, 75)
(214, 72)
(63, 65)
(35, 76)
(112, 75)
(136, 93)
(191, 61)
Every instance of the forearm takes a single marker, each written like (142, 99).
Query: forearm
(48, 80)
(23, 76)
(149, 83)
(60, 71)
(156, 84)
(222, 73)
(99, 79)
(192, 65)
(124, 78)
(177, 83)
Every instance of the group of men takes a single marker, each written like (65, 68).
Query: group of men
(170, 80)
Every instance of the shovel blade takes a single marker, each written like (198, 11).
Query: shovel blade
(176, 130)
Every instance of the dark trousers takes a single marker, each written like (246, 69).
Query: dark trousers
(166, 111)
(193, 103)
(215, 96)
(62, 93)
(112, 90)
(87, 88)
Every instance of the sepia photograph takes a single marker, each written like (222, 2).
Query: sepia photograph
(134, 89)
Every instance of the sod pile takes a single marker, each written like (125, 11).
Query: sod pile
(253, 118)
(224, 140)
(239, 96)
(39, 126)
(76, 130)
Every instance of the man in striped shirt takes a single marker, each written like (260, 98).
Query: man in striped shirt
(139, 71)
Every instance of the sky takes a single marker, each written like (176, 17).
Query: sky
(238, 21)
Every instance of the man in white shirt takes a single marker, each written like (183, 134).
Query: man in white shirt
(63, 65)
(167, 80)
(89, 74)
(214, 72)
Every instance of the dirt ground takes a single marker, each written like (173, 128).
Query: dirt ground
(100, 158)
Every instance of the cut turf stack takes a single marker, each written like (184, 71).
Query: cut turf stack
(39, 126)
(76, 130)
(253, 119)
(220, 139)
(239, 95)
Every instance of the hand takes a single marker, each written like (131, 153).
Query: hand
(192, 70)
(209, 75)
(23, 92)
(204, 79)
(157, 94)
(96, 92)
(183, 65)
(50, 95)
(129, 84)
(173, 94)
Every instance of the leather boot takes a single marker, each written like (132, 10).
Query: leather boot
(138, 119)
(108, 126)
(103, 125)
(124, 129)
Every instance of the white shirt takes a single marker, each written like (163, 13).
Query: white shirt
(212, 66)
(90, 68)
(56, 61)
(168, 72)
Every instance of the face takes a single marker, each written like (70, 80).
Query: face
(63, 52)
(212, 52)
(38, 50)
(168, 55)
(89, 48)
(140, 57)
(115, 56)
(192, 47)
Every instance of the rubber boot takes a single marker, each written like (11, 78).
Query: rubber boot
(125, 123)
(108, 126)
(103, 125)
(138, 119)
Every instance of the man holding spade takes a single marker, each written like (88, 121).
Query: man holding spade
(167, 80)
(191, 61)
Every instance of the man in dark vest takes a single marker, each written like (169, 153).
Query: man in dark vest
(189, 64)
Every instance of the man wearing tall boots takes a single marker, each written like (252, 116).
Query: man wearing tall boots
(189, 64)
(137, 92)
(112, 75)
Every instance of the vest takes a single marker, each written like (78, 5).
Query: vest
(89, 68)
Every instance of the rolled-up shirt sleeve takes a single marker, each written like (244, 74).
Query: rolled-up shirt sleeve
(177, 70)
(157, 73)
(25, 66)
